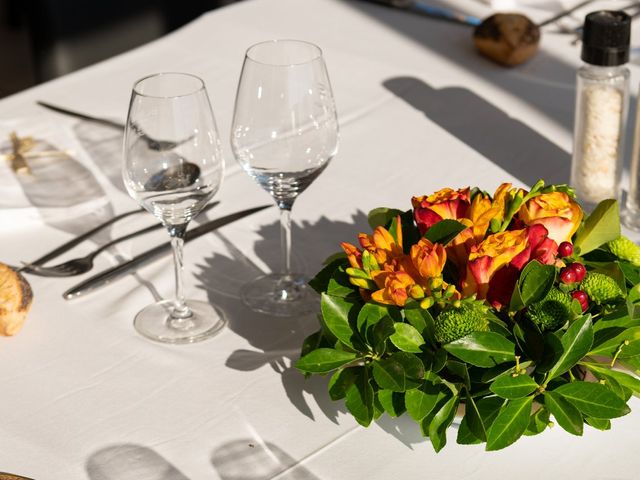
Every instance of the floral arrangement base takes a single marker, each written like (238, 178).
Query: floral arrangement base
(516, 304)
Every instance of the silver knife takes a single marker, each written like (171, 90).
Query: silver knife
(84, 116)
(26, 267)
(115, 273)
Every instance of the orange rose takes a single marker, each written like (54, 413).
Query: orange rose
(560, 215)
(444, 204)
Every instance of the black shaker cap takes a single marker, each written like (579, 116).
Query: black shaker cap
(606, 37)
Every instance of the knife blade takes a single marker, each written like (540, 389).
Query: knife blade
(83, 116)
(115, 273)
(26, 267)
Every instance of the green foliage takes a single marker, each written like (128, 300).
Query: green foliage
(602, 289)
(625, 249)
(517, 370)
(444, 231)
(454, 323)
(552, 312)
(602, 226)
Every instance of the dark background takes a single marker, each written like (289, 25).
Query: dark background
(43, 39)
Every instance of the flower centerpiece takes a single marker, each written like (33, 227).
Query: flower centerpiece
(517, 305)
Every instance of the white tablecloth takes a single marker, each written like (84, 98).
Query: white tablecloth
(83, 396)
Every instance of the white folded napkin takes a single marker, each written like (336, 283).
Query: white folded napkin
(63, 187)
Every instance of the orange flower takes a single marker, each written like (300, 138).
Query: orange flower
(353, 254)
(487, 258)
(428, 259)
(443, 204)
(394, 287)
(556, 211)
(381, 243)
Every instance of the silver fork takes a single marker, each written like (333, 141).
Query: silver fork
(80, 265)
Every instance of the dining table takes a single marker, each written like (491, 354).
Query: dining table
(83, 396)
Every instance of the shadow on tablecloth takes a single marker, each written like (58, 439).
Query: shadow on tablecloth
(502, 139)
(276, 341)
(130, 462)
(246, 459)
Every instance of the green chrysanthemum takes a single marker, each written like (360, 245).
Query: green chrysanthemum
(601, 288)
(625, 249)
(552, 311)
(455, 323)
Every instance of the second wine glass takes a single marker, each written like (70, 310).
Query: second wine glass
(284, 133)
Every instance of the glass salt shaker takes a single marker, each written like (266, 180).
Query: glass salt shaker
(602, 96)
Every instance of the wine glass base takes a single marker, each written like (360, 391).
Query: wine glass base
(156, 323)
(280, 295)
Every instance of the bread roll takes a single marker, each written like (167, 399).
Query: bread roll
(507, 38)
(15, 300)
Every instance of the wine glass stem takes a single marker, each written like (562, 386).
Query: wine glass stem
(180, 309)
(285, 239)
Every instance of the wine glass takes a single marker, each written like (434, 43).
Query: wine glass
(284, 132)
(173, 166)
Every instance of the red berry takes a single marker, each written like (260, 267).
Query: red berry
(565, 249)
(579, 270)
(582, 298)
(567, 275)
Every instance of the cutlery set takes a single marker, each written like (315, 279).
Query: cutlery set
(83, 264)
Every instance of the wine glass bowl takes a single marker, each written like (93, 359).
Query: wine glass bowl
(284, 133)
(173, 176)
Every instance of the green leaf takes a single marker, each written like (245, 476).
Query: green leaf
(624, 379)
(628, 341)
(538, 422)
(489, 407)
(337, 313)
(379, 334)
(421, 401)
(369, 315)
(613, 385)
(553, 350)
(508, 386)
(312, 342)
(631, 273)
(406, 338)
(529, 338)
(566, 415)
(323, 360)
(593, 399)
(444, 231)
(340, 382)
(359, 399)
(401, 371)
(602, 226)
(576, 343)
(619, 319)
(474, 419)
(459, 370)
(382, 216)
(482, 349)
(320, 282)
(441, 421)
(434, 361)
(535, 282)
(392, 402)
(510, 424)
(599, 423)
(378, 409)
(633, 302)
(339, 285)
(421, 320)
